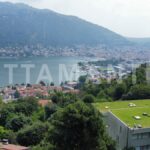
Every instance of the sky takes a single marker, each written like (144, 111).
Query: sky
(130, 18)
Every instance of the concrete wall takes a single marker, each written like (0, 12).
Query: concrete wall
(117, 130)
(141, 140)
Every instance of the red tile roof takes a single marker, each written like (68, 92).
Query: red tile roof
(13, 147)
(44, 102)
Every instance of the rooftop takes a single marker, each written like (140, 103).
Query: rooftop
(13, 147)
(44, 103)
(130, 112)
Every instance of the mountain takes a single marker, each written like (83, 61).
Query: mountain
(21, 24)
(144, 42)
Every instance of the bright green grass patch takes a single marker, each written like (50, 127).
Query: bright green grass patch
(127, 116)
(126, 113)
(121, 105)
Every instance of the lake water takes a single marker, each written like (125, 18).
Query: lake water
(55, 65)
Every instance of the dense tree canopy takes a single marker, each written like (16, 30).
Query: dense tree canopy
(32, 135)
(88, 98)
(3, 133)
(69, 123)
(17, 122)
(78, 126)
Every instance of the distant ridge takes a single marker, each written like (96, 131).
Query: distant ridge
(21, 24)
(144, 42)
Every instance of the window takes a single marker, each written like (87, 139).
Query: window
(120, 129)
(137, 148)
(117, 138)
(145, 135)
(147, 147)
(134, 136)
(141, 136)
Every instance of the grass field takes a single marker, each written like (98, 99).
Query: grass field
(126, 113)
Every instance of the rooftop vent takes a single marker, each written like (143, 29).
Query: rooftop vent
(137, 117)
(145, 114)
(139, 126)
(132, 105)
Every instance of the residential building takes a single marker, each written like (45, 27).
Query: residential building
(128, 123)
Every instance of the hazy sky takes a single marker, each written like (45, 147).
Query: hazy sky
(127, 17)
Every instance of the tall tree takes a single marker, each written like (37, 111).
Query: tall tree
(78, 127)
(32, 135)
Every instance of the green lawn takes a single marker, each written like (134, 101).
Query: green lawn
(126, 113)
(127, 116)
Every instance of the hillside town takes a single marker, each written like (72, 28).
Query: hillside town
(101, 51)
(10, 93)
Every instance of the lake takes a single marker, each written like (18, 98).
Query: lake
(23, 70)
